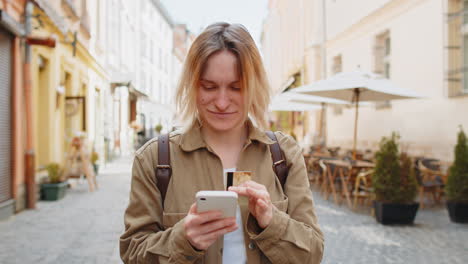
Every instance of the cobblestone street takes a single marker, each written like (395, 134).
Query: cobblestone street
(357, 238)
(81, 228)
(84, 228)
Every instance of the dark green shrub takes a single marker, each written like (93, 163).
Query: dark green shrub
(457, 182)
(393, 179)
(409, 184)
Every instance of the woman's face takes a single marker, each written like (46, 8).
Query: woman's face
(220, 102)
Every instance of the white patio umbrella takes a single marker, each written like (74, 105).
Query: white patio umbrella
(300, 102)
(292, 101)
(355, 87)
(292, 96)
(291, 106)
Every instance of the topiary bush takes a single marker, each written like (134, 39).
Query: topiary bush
(409, 184)
(457, 181)
(393, 179)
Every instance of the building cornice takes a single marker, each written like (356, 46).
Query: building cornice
(53, 15)
(11, 24)
(162, 10)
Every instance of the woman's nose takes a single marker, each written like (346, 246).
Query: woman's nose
(222, 100)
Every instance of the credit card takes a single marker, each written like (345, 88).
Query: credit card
(238, 177)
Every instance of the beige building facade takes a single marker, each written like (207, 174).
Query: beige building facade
(417, 44)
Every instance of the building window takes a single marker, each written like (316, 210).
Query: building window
(160, 58)
(337, 64)
(337, 67)
(382, 54)
(465, 46)
(152, 52)
(143, 81)
(382, 66)
(143, 45)
(456, 48)
(114, 27)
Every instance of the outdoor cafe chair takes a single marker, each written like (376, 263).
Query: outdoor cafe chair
(334, 152)
(313, 170)
(363, 187)
(323, 176)
(331, 179)
(430, 180)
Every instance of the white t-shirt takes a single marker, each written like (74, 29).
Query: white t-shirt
(234, 248)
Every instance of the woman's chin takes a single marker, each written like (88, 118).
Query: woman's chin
(222, 126)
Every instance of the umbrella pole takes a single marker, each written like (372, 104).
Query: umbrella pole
(322, 126)
(356, 97)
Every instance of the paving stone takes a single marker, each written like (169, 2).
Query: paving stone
(355, 237)
(81, 228)
(85, 227)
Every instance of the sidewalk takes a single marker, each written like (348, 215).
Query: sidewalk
(356, 237)
(81, 228)
(85, 227)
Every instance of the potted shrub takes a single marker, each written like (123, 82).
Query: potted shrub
(158, 128)
(94, 159)
(56, 187)
(457, 182)
(394, 184)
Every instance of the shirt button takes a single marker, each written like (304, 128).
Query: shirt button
(189, 258)
(252, 246)
(221, 251)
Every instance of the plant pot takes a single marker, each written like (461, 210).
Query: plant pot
(96, 169)
(395, 213)
(458, 212)
(53, 191)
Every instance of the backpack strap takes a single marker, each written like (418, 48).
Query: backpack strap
(163, 169)
(279, 161)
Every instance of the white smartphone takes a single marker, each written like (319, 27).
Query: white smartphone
(224, 201)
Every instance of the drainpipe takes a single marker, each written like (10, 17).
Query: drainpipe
(30, 153)
(324, 39)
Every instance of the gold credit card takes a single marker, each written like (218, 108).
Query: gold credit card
(238, 177)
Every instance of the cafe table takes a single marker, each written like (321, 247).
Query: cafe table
(346, 171)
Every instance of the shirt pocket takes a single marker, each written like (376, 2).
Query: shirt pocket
(170, 219)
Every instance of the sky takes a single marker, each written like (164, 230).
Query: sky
(198, 14)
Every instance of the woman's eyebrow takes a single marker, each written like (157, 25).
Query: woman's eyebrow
(204, 80)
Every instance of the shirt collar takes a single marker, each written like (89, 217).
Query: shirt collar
(192, 139)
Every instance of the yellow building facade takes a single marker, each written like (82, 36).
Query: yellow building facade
(68, 85)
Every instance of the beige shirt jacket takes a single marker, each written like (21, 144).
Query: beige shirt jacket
(153, 234)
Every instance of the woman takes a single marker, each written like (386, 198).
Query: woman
(222, 96)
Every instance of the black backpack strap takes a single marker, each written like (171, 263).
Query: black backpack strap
(279, 161)
(163, 169)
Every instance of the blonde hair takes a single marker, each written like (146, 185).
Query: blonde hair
(254, 84)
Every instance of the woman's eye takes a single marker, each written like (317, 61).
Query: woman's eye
(208, 87)
(235, 88)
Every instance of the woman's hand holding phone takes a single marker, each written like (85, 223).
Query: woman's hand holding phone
(204, 228)
(260, 205)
